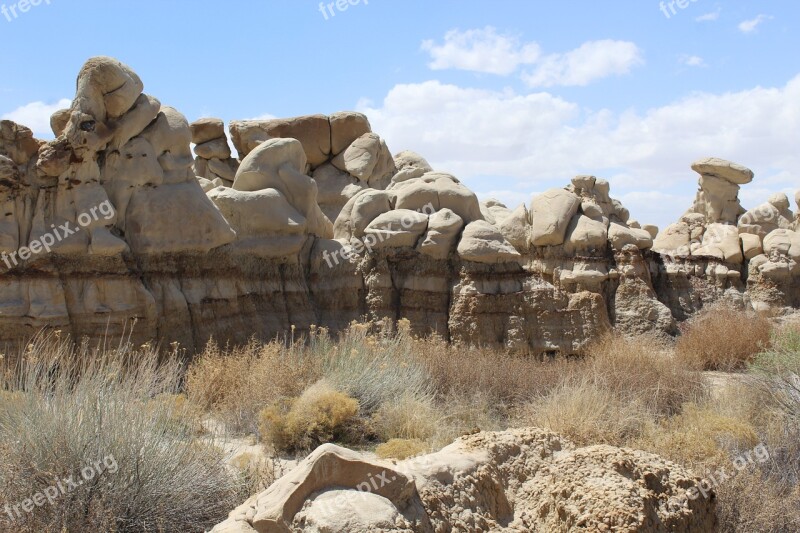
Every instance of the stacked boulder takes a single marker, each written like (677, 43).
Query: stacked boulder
(721, 243)
(213, 164)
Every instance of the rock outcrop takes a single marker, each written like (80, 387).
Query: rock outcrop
(720, 251)
(117, 222)
(518, 480)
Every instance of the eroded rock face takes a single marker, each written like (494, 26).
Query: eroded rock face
(317, 223)
(720, 251)
(518, 480)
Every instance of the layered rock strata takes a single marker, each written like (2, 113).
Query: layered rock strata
(116, 222)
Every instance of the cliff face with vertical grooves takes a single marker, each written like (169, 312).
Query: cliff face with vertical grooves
(117, 224)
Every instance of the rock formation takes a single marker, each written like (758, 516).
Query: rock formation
(116, 222)
(519, 480)
(720, 251)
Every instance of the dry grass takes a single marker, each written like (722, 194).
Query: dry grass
(65, 409)
(401, 449)
(625, 384)
(723, 339)
(321, 414)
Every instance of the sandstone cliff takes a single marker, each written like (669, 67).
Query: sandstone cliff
(116, 224)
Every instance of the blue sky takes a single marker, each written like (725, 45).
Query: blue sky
(511, 96)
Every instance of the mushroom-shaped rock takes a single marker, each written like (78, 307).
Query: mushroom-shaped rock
(551, 213)
(727, 170)
(483, 243)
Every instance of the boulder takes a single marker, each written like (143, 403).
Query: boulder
(585, 235)
(620, 236)
(313, 132)
(483, 243)
(346, 127)
(368, 159)
(396, 229)
(277, 164)
(207, 129)
(444, 226)
(727, 170)
(516, 228)
(551, 213)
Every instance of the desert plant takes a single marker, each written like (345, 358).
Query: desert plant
(84, 410)
(234, 385)
(406, 417)
(723, 339)
(375, 369)
(586, 413)
(321, 414)
(401, 449)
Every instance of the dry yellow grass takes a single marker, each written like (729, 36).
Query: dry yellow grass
(401, 449)
(723, 339)
(321, 414)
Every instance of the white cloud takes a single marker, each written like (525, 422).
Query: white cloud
(36, 116)
(504, 141)
(693, 61)
(481, 50)
(591, 61)
(710, 17)
(749, 26)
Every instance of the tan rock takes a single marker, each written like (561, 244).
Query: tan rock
(395, 229)
(516, 228)
(727, 170)
(751, 245)
(483, 243)
(313, 132)
(346, 127)
(207, 129)
(585, 235)
(444, 226)
(551, 213)
(214, 149)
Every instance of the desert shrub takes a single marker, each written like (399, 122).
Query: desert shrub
(375, 368)
(91, 414)
(256, 470)
(401, 449)
(321, 414)
(235, 385)
(505, 377)
(752, 502)
(723, 339)
(406, 418)
(465, 414)
(640, 369)
(586, 413)
(699, 437)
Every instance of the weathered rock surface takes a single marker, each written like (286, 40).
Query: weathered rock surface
(316, 223)
(518, 480)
